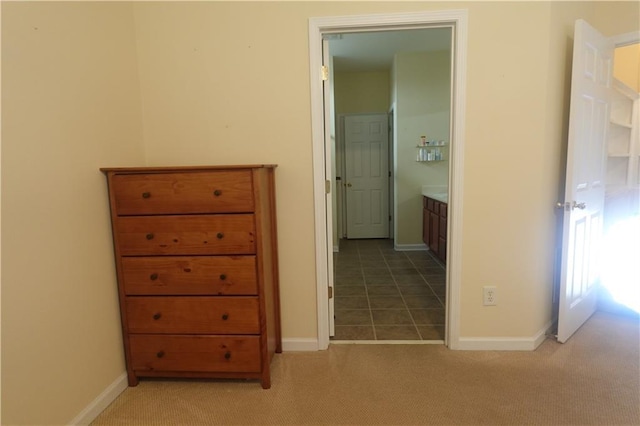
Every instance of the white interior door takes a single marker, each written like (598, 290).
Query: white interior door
(367, 175)
(585, 179)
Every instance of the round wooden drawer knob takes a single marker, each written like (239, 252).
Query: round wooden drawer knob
(153, 277)
(217, 193)
(157, 316)
(149, 236)
(160, 354)
(225, 317)
(146, 195)
(223, 277)
(227, 355)
(220, 235)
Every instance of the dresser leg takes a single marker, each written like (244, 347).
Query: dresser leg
(266, 381)
(133, 379)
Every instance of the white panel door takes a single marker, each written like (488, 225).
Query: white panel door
(367, 175)
(585, 179)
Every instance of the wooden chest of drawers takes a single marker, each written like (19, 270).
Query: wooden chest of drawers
(197, 266)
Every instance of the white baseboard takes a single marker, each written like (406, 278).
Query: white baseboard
(505, 343)
(299, 345)
(102, 401)
(410, 247)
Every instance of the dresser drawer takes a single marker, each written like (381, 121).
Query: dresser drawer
(198, 234)
(193, 315)
(175, 193)
(185, 275)
(195, 353)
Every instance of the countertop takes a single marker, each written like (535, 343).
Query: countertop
(437, 192)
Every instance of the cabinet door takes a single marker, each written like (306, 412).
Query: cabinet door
(425, 226)
(430, 205)
(443, 227)
(442, 234)
(434, 225)
(442, 249)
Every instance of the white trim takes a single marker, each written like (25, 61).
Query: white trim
(625, 39)
(299, 345)
(410, 247)
(317, 120)
(387, 342)
(456, 180)
(496, 344)
(625, 90)
(324, 25)
(505, 343)
(102, 401)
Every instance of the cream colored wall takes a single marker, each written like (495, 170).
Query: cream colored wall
(627, 65)
(422, 88)
(70, 104)
(614, 17)
(506, 222)
(362, 92)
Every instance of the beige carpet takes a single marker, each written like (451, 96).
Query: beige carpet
(592, 379)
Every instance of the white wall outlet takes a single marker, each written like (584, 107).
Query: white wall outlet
(489, 295)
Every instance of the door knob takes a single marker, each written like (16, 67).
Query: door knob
(349, 185)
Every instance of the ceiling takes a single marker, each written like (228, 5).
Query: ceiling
(374, 51)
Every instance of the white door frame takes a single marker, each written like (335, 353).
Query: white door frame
(384, 22)
(625, 39)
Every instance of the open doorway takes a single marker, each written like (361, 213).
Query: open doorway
(324, 163)
(619, 291)
(390, 288)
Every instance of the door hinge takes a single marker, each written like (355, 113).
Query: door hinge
(325, 73)
(389, 218)
(327, 186)
(330, 292)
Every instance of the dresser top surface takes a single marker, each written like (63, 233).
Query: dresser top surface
(185, 168)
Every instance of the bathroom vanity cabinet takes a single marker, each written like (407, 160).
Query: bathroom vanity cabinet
(434, 226)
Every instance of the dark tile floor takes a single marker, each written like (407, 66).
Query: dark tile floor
(383, 294)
